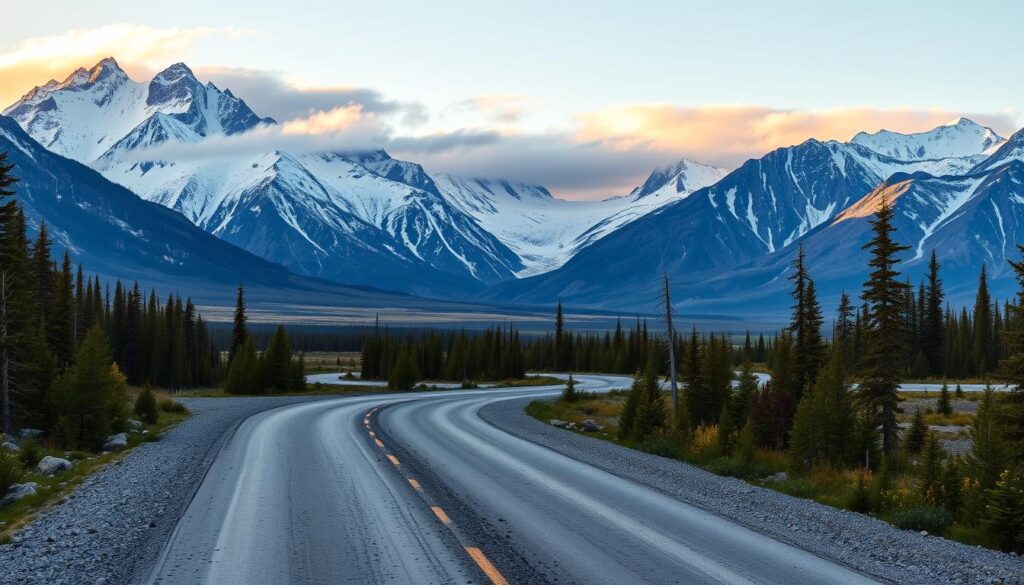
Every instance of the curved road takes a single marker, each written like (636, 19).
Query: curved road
(398, 489)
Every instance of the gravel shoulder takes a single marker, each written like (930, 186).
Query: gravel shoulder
(113, 527)
(862, 543)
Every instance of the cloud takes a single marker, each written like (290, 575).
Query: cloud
(727, 135)
(495, 108)
(345, 128)
(269, 94)
(139, 49)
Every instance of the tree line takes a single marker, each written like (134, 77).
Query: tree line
(811, 411)
(69, 347)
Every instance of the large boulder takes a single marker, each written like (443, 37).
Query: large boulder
(135, 424)
(10, 447)
(589, 426)
(114, 442)
(17, 492)
(50, 465)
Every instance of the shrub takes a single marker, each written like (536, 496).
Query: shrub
(799, 488)
(30, 454)
(146, 406)
(934, 519)
(10, 472)
(860, 499)
(168, 405)
(661, 445)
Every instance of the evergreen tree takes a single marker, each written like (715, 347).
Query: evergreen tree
(824, 421)
(243, 371)
(92, 393)
(404, 375)
(276, 365)
(1011, 409)
(982, 358)
(844, 331)
(634, 397)
(932, 328)
(988, 456)
(805, 327)
(1006, 510)
(650, 411)
(929, 468)
(146, 407)
(879, 388)
(240, 331)
(917, 433)
(943, 405)
(569, 393)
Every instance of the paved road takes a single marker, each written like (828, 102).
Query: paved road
(305, 494)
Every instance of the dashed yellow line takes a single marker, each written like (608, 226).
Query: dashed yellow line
(441, 515)
(485, 565)
(475, 553)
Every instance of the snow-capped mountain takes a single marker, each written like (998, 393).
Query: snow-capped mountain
(101, 111)
(545, 231)
(732, 243)
(362, 217)
(961, 138)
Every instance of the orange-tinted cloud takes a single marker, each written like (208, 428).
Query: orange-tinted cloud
(139, 49)
(729, 134)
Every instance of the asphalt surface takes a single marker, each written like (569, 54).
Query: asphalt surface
(306, 494)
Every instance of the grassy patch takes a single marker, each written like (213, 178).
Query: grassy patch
(529, 381)
(894, 498)
(51, 490)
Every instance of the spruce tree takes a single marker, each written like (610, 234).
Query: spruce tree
(240, 330)
(805, 327)
(988, 456)
(92, 393)
(569, 393)
(276, 365)
(932, 329)
(943, 405)
(915, 437)
(1005, 519)
(843, 331)
(404, 375)
(981, 352)
(1010, 412)
(243, 371)
(881, 363)
(929, 468)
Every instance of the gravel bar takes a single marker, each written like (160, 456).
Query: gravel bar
(862, 543)
(113, 526)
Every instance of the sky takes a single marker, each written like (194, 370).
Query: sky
(584, 97)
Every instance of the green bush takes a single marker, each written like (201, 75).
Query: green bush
(931, 518)
(661, 445)
(30, 454)
(799, 488)
(10, 472)
(146, 407)
(168, 405)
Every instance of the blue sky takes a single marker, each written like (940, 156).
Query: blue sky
(647, 81)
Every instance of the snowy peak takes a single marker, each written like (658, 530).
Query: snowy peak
(684, 177)
(959, 138)
(1011, 150)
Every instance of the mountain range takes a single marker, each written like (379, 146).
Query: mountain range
(725, 238)
(357, 217)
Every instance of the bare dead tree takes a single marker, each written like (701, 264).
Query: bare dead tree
(666, 303)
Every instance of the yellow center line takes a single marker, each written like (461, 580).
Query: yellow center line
(441, 515)
(415, 484)
(393, 459)
(486, 566)
(379, 444)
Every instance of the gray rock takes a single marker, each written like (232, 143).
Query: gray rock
(118, 441)
(777, 477)
(135, 424)
(50, 465)
(30, 433)
(589, 426)
(558, 423)
(17, 492)
(9, 446)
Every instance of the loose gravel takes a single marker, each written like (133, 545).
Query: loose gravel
(113, 526)
(862, 543)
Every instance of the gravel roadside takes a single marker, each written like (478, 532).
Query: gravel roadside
(114, 525)
(857, 541)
